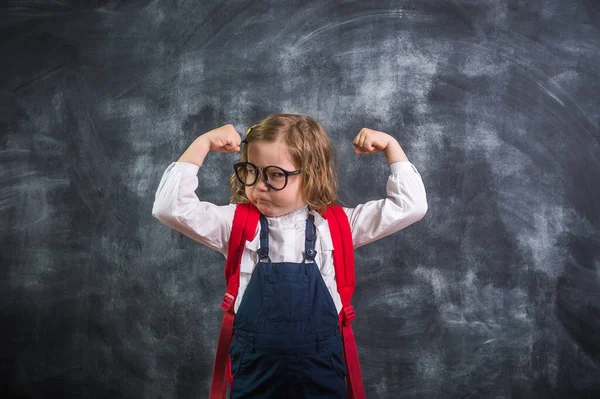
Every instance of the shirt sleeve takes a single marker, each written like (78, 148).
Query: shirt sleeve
(177, 206)
(405, 204)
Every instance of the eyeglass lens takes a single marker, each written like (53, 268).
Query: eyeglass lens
(248, 175)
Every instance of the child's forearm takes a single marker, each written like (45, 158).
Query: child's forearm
(196, 152)
(394, 152)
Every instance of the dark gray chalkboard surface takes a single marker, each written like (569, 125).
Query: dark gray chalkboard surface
(494, 294)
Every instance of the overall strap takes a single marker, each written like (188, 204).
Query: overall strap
(243, 229)
(343, 258)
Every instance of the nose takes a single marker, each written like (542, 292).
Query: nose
(260, 182)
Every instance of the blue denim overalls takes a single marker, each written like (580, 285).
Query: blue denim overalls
(286, 337)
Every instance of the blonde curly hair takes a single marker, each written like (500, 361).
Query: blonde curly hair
(310, 150)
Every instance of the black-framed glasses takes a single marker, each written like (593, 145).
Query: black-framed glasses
(275, 177)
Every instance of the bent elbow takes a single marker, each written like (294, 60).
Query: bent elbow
(421, 211)
(162, 214)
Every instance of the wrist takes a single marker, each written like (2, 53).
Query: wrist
(394, 153)
(203, 143)
(196, 152)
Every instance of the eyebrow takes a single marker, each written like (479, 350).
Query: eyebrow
(268, 165)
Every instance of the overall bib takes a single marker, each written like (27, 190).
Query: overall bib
(286, 337)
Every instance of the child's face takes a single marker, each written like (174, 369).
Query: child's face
(268, 201)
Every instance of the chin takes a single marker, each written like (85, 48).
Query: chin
(262, 204)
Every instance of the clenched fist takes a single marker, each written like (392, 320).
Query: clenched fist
(369, 141)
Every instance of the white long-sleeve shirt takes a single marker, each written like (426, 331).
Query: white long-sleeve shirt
(177, 206)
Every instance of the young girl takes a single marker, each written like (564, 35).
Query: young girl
(286, 341)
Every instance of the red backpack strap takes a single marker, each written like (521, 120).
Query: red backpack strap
(343, 259)
(243, 228)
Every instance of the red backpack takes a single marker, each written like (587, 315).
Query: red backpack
(245, 220)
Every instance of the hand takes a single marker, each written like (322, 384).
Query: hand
(370, 141)
(223, 139)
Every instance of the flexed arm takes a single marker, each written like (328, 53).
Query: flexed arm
(406, 199)
(176, 204)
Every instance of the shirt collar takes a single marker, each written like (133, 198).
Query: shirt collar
(291, 218)
(298, 215)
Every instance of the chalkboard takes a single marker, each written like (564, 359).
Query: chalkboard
(495, 293)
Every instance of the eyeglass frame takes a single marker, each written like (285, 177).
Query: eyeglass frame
(263, 172)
